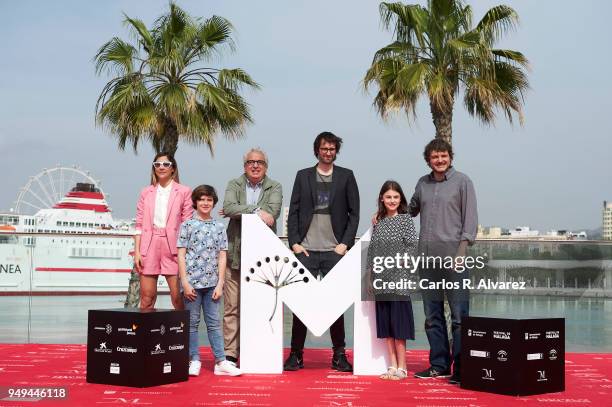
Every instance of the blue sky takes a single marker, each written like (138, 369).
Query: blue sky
(309, 57)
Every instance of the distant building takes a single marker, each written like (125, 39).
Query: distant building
(523, 231)
(490, 232)
(606, 231)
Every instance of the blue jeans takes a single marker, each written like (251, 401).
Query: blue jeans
(435, 328)
(210, 309)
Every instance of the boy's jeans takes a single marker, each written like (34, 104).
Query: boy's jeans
(210, 308)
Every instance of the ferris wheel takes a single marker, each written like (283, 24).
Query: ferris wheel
(49, 186)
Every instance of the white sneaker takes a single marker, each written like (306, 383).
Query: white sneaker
(226, 368)
(194, 367)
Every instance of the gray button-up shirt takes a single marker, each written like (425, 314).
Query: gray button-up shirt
(448, 212)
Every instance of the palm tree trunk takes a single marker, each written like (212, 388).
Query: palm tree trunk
(170, 138)
(443, 121)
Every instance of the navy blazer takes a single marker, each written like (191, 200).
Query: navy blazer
(343, 205)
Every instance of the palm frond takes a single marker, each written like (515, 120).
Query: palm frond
(213, 33)
(496, 22)
(510, 55)
(140, 31)
(235, 79)
(115, 56)
(409, 21)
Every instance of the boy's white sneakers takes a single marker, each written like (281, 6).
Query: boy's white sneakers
(194, 367)
(226, 368)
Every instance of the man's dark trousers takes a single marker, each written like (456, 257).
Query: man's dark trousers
(318, 263)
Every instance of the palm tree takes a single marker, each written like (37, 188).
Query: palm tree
(162, 91)
(438, 52)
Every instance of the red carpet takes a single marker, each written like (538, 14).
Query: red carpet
(588, 382)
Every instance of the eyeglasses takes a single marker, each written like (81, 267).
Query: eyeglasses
(327, 150)
(251, 163)
(159, 164)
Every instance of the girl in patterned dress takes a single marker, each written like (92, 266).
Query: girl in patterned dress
(393, 233)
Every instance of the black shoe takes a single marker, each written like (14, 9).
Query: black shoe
(341, 363)
(455, 378)
(231, 359)
(295, 361)
(432, 373)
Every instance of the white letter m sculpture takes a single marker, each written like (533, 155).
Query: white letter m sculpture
(271, 276)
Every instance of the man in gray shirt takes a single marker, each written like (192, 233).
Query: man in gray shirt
(446, 202)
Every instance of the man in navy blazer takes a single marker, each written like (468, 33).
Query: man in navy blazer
(322, 224)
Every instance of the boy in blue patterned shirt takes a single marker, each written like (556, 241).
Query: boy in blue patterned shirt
(202, 255)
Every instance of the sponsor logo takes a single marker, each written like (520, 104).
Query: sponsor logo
(477, 334)
(552, 354)
(177, 329)
(552, 334)
(535, 356)
(158, 350)
(502, 355)
(129, 331)
(114, 368)
(479, 353)
(501, 334)
(126, 349)
(535, 335)
(487, 374)
(542, 376)
(102, 348)
(161, 329)
(176, 347)
(167, 367)
(108, 328)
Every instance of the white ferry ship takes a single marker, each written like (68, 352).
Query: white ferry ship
(74, 247)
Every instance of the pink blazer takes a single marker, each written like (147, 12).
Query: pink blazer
(179, 210)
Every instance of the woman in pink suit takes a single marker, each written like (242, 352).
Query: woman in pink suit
(161, 209)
